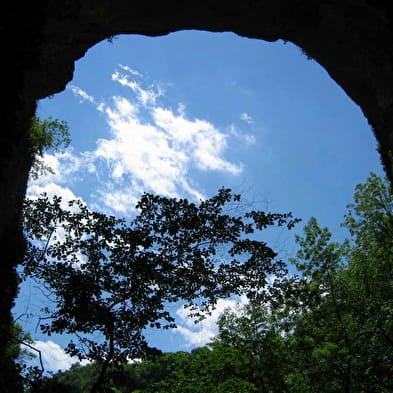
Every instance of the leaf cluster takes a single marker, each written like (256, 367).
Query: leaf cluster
(46, 135)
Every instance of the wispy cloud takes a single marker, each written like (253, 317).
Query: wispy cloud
(144, 96)
(201, 139)
(151, 147)
(250, 139)
(81, 93)
(130, 70)
(141, 154)
(247, 118)
(247, 138)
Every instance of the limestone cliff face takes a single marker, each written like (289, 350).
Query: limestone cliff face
(351, 39)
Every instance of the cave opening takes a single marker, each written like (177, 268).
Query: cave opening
(184, 114)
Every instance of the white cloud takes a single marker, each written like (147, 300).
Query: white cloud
(81, 93)
(64, 168)
(130, 70)
(54, 357)
(247, 118)
(151, 148)
(142, 152)
(144, 96)
(124, 109)
(249, 139)
(101, 107)
(156, 154)
(122, 201)
(197, 137)
(201, 333)
(51, 189)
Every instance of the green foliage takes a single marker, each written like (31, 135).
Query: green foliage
(334, 322)
(328, 330)
(207, 369)
(213, 368)
(114, 278)
(342, 338)
(254, 332)
(49, 134)
(78, 379)
(370, 215)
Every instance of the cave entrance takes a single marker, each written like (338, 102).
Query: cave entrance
(205, 109)
(187, 113)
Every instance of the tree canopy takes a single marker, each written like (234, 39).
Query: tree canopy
(114, 277)
(329, 330)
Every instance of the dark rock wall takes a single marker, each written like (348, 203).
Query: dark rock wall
(351, 39)
(20, 36)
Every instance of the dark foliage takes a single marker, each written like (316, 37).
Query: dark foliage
(114, 278)
(330, 331)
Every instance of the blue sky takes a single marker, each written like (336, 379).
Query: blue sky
(183, 115)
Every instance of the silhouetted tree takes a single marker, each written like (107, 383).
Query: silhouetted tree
(114, 278)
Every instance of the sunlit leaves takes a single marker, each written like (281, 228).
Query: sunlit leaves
(48, 134)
